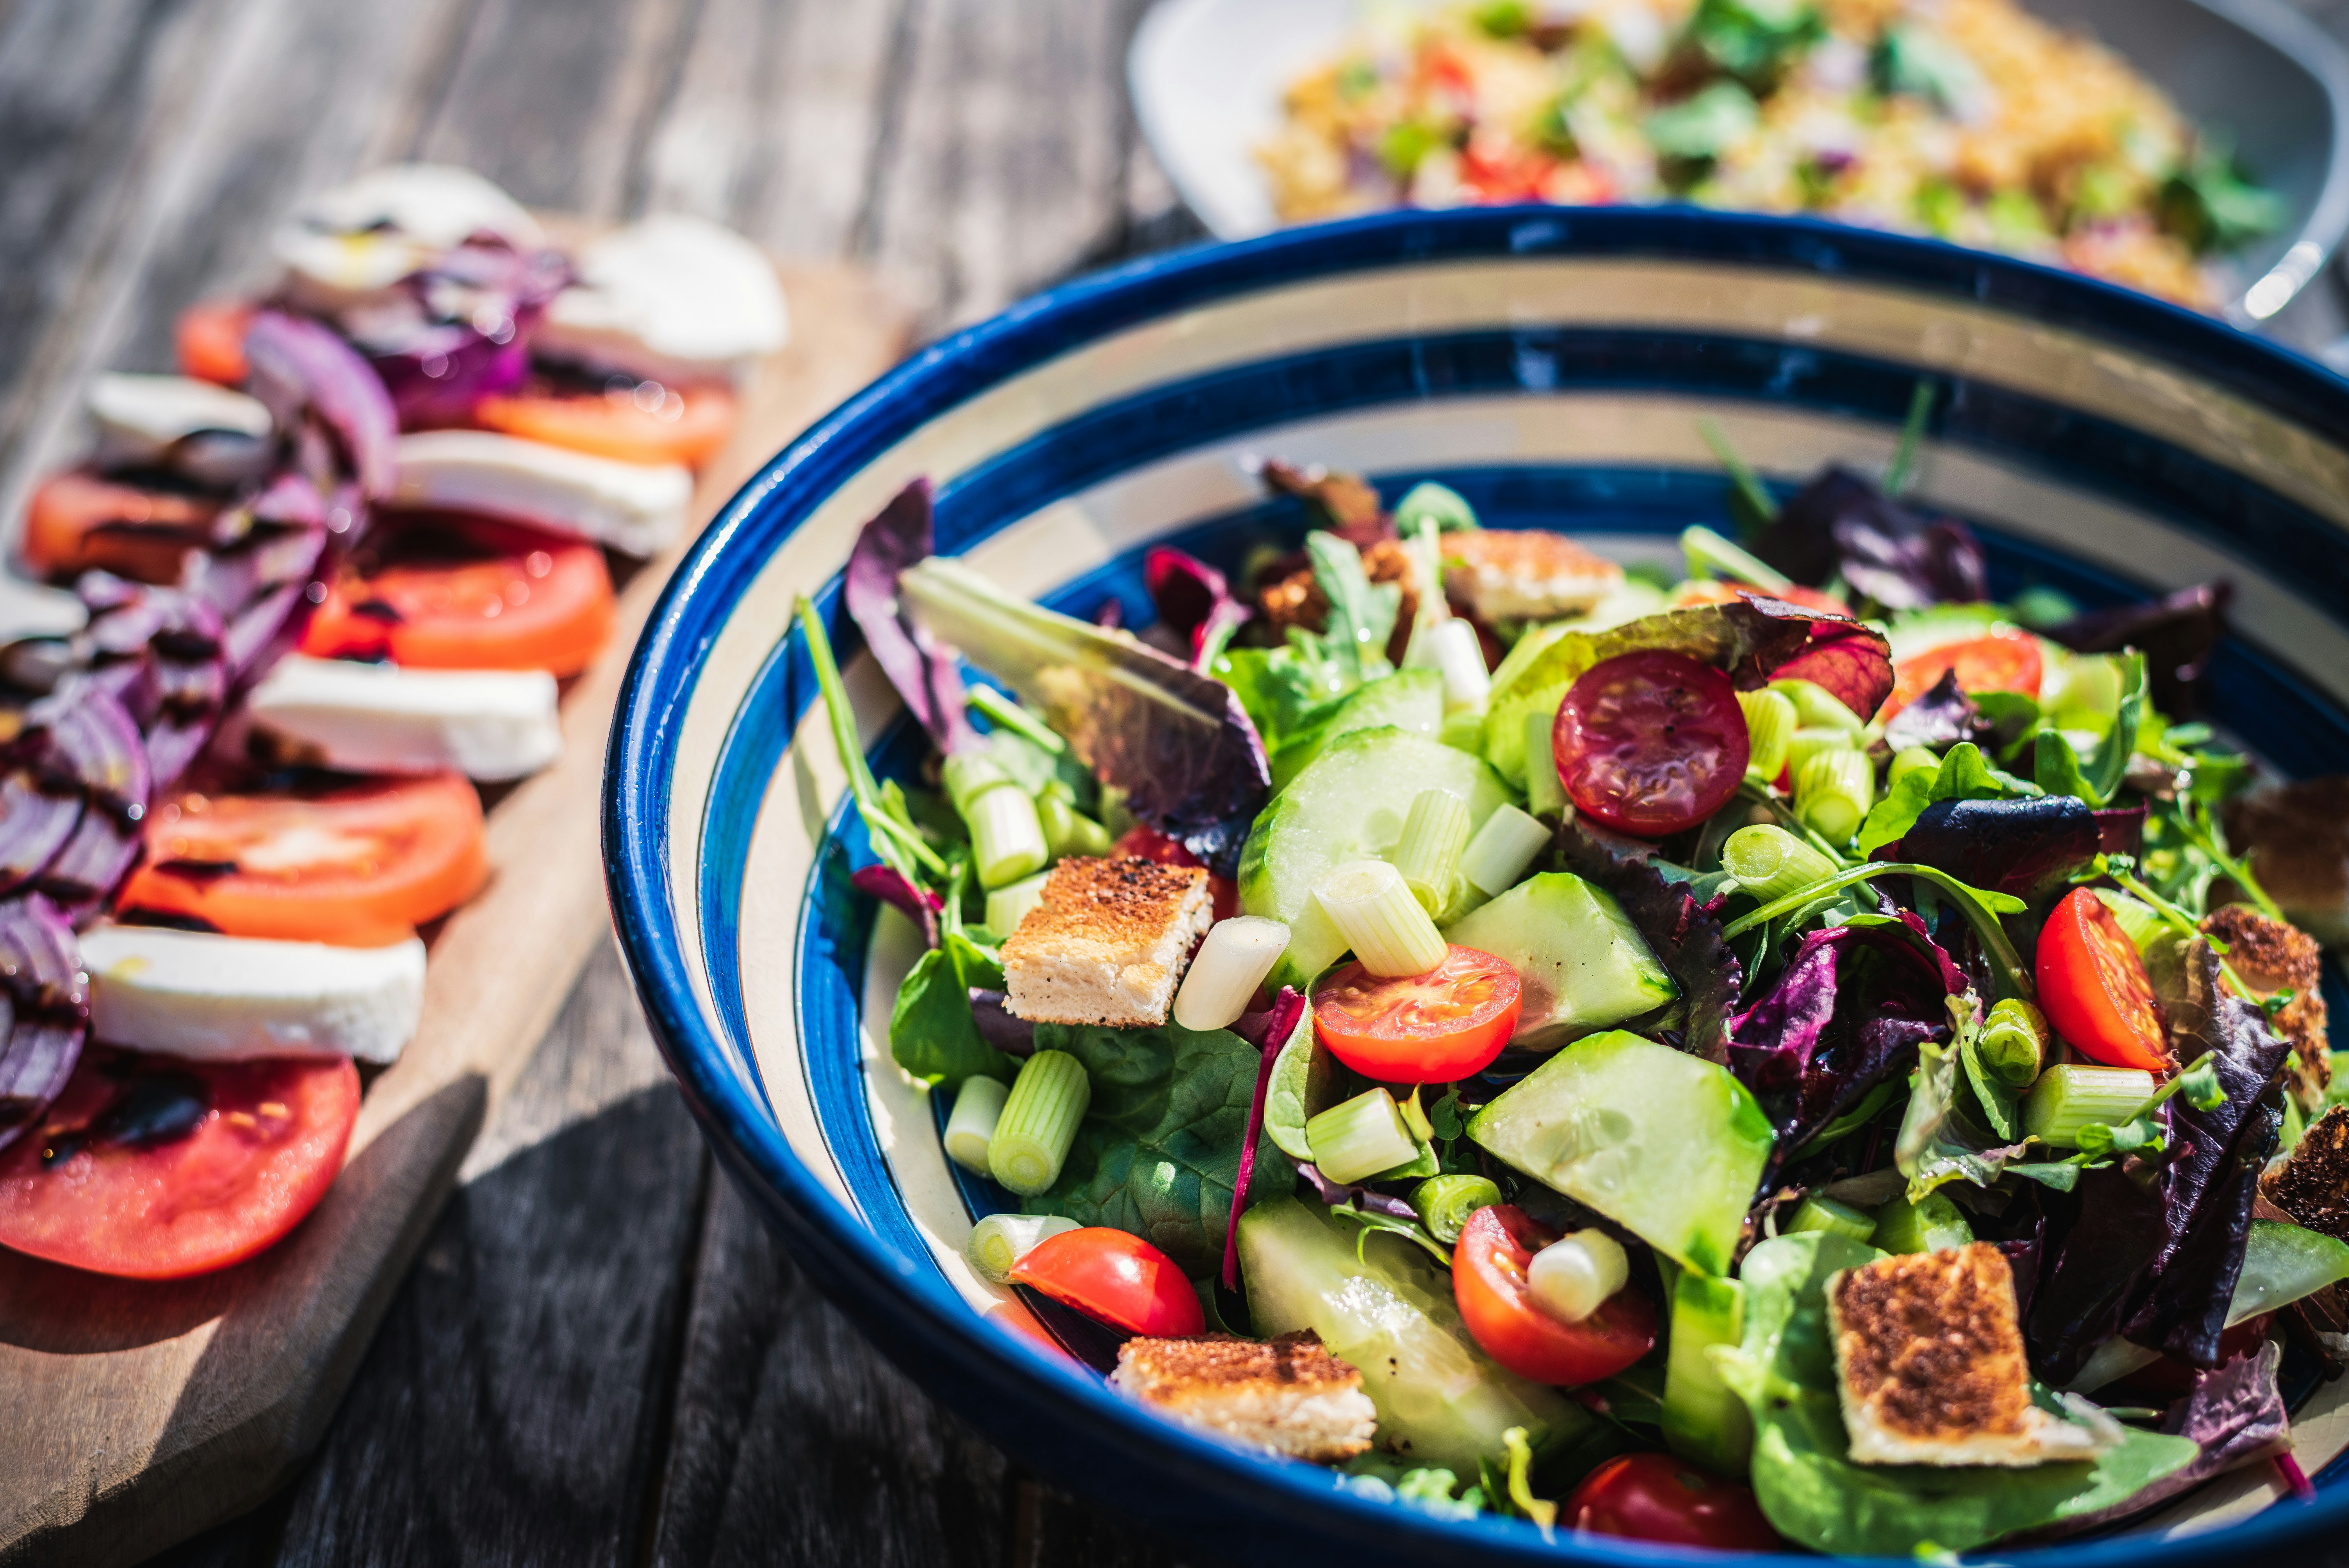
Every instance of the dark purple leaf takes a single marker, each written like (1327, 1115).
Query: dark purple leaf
(1685, 939)
(917, 904)
(1279, 1022)
(1892, 554)
(1177, 742)
(299, 367)
(2027, 848)
(2120, 829)
(998, 1026)
(48, 1011)
(1193, 600)
(2178, 634)
(1940, 719)
(2155, 1251)
(927, 677)
(1333, 1195)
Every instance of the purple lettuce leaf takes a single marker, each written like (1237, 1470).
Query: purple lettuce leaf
(927, 677)
(1276, 1024)
(918, 905)
(2027, 848)
(2120, 829)
(1177, 741)
(300, 369)
(2178, 634)
(2153, 1251)
(1684, 936)
(1335, 1195)
(998, 1026)
(1193, 600)
(1940, 719)
(40, 966)
(1901, 558)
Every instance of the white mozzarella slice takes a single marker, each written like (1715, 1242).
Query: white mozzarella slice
(346, 244)
(36, 610)
(231, 998)
(149, 419)
(488, 725)
(672, 299)
(633, 506)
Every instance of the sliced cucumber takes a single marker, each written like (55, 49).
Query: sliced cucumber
(1664, 1143)
(1702, 1420)
(1407, 700)
(1584, 965)
(1348, 805)
(1441, 1400)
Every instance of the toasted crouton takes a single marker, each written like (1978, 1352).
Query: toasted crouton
(1289, 1394)
(2312, 1185)
(2270, 956)
(1106, 943)
(1525, 576)
(1929, 1365)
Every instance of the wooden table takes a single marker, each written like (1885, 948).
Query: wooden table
(600, 1357)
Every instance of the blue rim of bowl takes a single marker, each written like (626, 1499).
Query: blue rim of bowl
(1027, 1400)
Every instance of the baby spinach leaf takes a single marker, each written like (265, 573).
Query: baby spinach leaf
(1964, 775)
(1816, 1497)
(932, 1033)
(1159, 1153)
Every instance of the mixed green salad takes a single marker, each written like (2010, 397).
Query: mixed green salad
(1636, 1034)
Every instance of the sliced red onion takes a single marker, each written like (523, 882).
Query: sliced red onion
(460, 330)
(94, 746)
(47, 1008)
(35, 820)
(299, 366)
(1279, 1022)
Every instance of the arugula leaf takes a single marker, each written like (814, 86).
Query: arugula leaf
(1804, 1477)
(1159, 1153)
(1361, 615)
(1964, 775)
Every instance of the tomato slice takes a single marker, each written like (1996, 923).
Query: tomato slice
(359, 867)
(210, 339)
(646, 423)
(2094, 988)
(1435, 1027)
(78, 521)
(1655, 1497)
(152, 1167)
(1489, 1281)
(1119, 1278)
(2002, 660)
(1153, 845)
(1650, 743)
(468, 594)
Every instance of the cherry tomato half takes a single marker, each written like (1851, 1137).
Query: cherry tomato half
(645, 423)
(359, 867)
(1119, 1278)
(1489, 1281)
(2002, 660)
(1650, 743)
(2094, 988)
(151, 1167)
(76, 521)
(468, 594)
(1437, 1028)
(210, 339)
(1153, 845)
(1655, 1497)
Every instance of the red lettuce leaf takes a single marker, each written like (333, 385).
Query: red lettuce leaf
(1841, 523)
(1275, 1025)
(2028, 848)
(2176, 633)
(1940, 719)
(1193, 600)
(918, 905)
(1684, 935)
(928, 677)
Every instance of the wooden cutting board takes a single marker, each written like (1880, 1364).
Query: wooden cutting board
(134, 1415)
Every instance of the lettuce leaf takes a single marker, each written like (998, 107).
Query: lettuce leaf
(928, 677)
(1756, 639)
(1177, 742)
(1964, 775)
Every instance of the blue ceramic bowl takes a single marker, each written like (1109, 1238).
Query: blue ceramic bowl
(1552, 365)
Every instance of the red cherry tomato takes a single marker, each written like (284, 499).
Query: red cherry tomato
(2004, 661)
(1119, 1278)
(151, 1167)
(1153, 845)
(2094, 988)
(649, 423)
(360, 867)
(1489, 1281)
(1655, 1497)
(210, 338)
(1650, 743)
(1435, 1027)
(468, 594)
